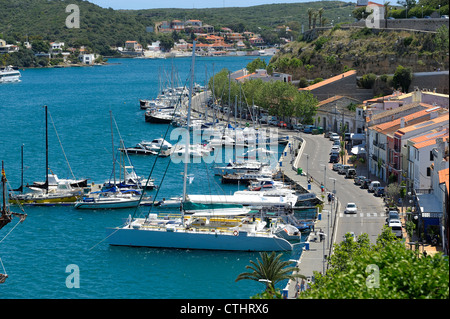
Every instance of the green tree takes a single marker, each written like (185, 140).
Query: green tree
(167, 42)
(256, 64)
(40, 46)
(270, 269)
(441, 38)
(384, 270)
(402, 78)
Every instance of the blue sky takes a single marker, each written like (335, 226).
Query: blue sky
(186, 4)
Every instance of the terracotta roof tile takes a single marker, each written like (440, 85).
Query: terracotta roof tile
(328, 81)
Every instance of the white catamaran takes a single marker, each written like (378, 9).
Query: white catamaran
(212, 229)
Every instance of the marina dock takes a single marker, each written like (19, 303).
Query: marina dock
(317, 247)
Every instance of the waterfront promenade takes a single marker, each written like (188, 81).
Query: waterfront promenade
(313, 257)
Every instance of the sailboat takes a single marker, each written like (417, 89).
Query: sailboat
(6, 216)
(59, 193)
(114, 196)
(212, 229)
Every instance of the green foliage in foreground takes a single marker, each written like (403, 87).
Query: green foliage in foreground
(270, 270)
(385, 270)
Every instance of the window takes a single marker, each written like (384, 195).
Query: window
(431, 155)
(428, 171)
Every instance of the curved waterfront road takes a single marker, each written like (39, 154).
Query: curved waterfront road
(371, 214)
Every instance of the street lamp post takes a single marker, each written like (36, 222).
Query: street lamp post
(324, 175)
(307, 171)
(324, 256)
(333, 203)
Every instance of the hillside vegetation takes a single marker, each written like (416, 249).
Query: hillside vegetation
(101, 28)
(336, 50)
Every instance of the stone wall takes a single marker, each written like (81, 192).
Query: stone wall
(431, 81)
(408, 24)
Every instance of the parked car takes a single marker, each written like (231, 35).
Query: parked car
(337, 166)
(333, 135)
(351, 173)
(365, 183)
(297, 127)
(335, 149)
(350, 208)
(272, 122)
(396, 227)
(336, 142)
(379, 192)
(392, 215)
(308, 128)
(282, 124)
(343, 169)
(359, 179)
(373, 185)
(334, 158)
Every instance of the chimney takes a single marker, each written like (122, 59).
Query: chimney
(402, 122)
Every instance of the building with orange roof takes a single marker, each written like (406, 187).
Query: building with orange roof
(385, 153)
(243, 75)
(419, 157)
(431, 204)
(397, 156)
(344, 84)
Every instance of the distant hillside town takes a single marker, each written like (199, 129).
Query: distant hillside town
(210, 42)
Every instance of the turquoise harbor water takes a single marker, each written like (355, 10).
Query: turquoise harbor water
(36, 253)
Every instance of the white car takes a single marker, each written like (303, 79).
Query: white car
(337, 166)
(333, 136)
(335, 149)
(351, 209)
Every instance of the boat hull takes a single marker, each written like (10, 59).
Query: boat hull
(158, 120)
(43, 200)
(107, 205)
(207, 240)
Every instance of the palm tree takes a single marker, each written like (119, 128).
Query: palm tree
(386, 12)
(270, 270)
(310, 13)
(315, 14)
(320, 11)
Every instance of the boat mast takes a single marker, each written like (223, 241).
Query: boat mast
(188, 120)
(112, 143)
(46, 150)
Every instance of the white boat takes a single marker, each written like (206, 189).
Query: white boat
(109, 200)
(9, 74)
(245, 198)
(236, 167)
(197, 150)
(55, 183)
(225, 140)
(208, 229)
(157, 144)
(138, 149)
(53, 191)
